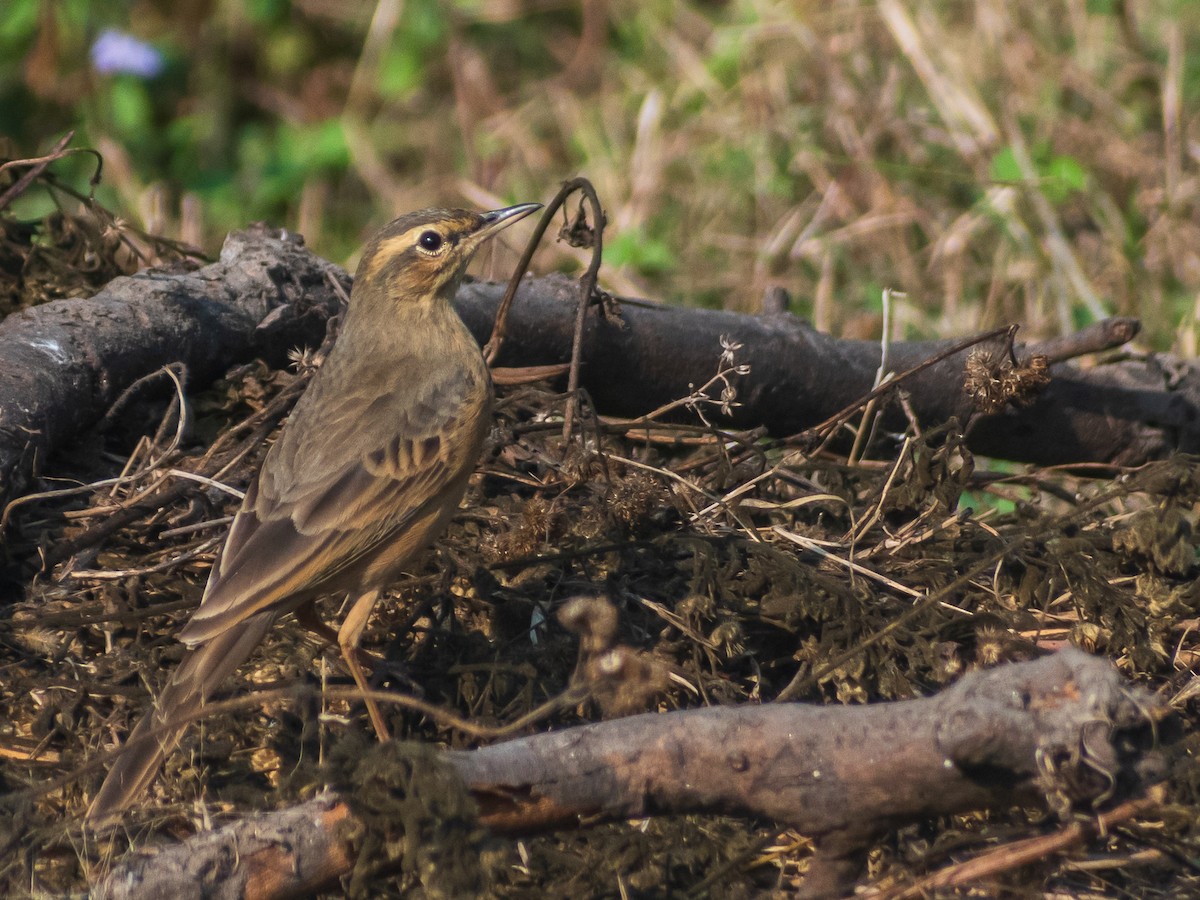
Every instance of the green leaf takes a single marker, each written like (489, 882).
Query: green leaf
(421, 37)
(265, 11)
(319, 146)
(734, 164)
(19, 22)
(1081, 317)
(129, 104)
(424, 24)
(1059, 177)
(1004, 166)
(632, 247)
(400, 72)
(980, 502)
(1063, 177)
(288, 52)
(725, 62)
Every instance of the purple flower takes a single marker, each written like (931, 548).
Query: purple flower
(116, 51)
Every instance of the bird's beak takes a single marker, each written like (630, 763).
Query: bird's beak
(499, 219)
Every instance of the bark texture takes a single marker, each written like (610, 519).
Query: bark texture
(1063, 731)
(63, 364)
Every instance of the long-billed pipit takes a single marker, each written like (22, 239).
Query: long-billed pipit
(368, 469)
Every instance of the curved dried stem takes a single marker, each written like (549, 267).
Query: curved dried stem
(587, 284)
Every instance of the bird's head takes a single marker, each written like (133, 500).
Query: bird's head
(423, 255)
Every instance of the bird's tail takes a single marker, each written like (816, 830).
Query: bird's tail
(158, 733)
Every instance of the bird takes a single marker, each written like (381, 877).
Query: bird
(367, 470)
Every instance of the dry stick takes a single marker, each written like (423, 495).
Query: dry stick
(94, 534)
(119, 228)
(528, 374)
(800, 684)
(81, 620)
(1103, 335)
(125, 477)
(864, 436)
(830, 426)
(259, 426)
(587, 287)
(491, 349)
(38, 165)
(1041, 478)
(909, 761)
(89, 200)
(859, 530)
(568, 699)
(164, 565)
(196, 526)
(855, 568)
(1021, 853)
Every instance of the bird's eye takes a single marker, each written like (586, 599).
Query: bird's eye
(430, 240)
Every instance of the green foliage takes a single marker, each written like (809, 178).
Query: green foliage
(265, 12)
(288, 53)
(305, 149)
(399, 72)
(635, 249)
(17, 26)
(980, 502)
(725, 61)
(278, 161)
(740, 144)
(1003, 499)
(1059, 177)
(129, 106)
(407, 62)
(1081, 317)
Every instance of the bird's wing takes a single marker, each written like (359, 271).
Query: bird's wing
(332, 491)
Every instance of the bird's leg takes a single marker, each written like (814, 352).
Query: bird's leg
(308, 619)
(348, 637)
(306, 615)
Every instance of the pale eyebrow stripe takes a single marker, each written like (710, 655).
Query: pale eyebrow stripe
(392, 247)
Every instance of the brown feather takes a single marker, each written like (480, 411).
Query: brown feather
(159, 732)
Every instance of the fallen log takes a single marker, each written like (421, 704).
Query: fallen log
(1064, 731)
(63, 364)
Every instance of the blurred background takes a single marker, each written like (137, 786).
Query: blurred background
(994, 160)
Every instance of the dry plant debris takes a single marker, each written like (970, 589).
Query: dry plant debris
(74, 250)
(741, 569)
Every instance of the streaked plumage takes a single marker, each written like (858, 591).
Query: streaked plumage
(368, 469)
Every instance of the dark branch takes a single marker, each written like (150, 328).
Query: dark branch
(1064, 731)
(62, 365)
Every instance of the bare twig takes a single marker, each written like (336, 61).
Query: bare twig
(830, 426)
(38, 165)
